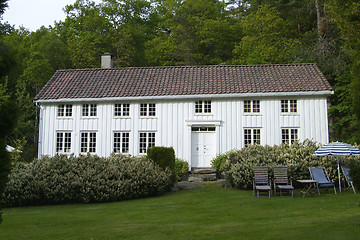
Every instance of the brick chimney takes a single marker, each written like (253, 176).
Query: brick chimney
(106, 60)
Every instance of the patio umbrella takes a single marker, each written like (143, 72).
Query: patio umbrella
(337, 149)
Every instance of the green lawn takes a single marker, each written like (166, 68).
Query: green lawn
(209, 212)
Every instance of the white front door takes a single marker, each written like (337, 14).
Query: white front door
(203, 144)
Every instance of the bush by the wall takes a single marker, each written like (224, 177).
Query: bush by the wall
(298, 157)
(84, 179)
(181, 166)
(219, 161)
(163, 156)
(355, 173)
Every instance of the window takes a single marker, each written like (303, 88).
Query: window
(63, 142)
(289, 135)
(288, 106)
(252, 106)
(146, 140)
(122, 110)
(251, 136)
(203, 106)
(65, 110)
(147, 110)
(121, 142)
(88, 142)
(89, 110)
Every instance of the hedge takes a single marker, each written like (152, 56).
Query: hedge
(84, 179)
(239, 164)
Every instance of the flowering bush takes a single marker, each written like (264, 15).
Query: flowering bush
(84, 179)
(240, 164)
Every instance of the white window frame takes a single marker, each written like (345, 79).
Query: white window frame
(252, 106)
(147, 110)
(252, 136)
(146, 140)
(90, 145)
(121, 142)
(64, 146)
(89, 110)
(64, 110)
(289, 106)
(203, 107)
(289, 135)
(122, 110)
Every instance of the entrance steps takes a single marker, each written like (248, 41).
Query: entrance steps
(202, 175)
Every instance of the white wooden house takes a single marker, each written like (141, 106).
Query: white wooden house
(198, 110)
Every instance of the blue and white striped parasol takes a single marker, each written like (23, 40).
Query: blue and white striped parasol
(337, 149)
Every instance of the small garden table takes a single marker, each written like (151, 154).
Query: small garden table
(309, 187)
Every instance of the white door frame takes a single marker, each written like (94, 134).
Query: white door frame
(209, 123)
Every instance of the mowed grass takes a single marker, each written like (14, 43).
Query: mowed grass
(208, 212)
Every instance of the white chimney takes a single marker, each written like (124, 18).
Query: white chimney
(106, 61)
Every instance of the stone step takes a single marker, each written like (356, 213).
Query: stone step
(203, 171)
(196, 177)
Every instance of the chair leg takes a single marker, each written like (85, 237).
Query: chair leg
(352, 185)
(335, 189)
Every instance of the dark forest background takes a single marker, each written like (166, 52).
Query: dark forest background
(185, 32)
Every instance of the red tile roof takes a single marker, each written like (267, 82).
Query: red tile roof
(183, 80)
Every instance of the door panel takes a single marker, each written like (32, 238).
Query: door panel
(203, 149)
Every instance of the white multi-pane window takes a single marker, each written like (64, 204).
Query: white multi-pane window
(147, 109)
(122, 110)
(289, 135)
(88, 142)
(121, 142)
(251, 136)
(146, 140)
(63, 142)
(89, 110)
(251, 106)
(203, 106)
(64, 110)
(288, 106)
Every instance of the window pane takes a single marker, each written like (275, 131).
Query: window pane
(152, 109)
(247, 137)
(151, 140)
(68, 110)
(293, 105)
(284, 106)
(67, 142)
(207, 106)
(117, 110)
(142, 147)
(125, 143)
(256, 136)
(198, 107)
(126, 110)
(59, 142)
(256, 106)
(143, 109)
(61, 110)
(85, 110)
(93, 110)
(92, 143)
(285, 135)
(117, 143)
(294, 135)
(84, 142)
(247, 106)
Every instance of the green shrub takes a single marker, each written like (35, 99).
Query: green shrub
(240, 164)
(162, 156)
(355, 173)
(181, 166)
(84, 179)
(219, 161)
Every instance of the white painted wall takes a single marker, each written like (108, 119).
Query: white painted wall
(174, 119)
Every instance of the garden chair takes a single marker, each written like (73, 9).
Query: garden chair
(321, 177)
(261, 181)
(281, 180)
(346, 170)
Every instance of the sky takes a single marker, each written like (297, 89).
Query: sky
(32, 14)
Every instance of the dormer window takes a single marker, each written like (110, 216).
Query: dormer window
(203, 106)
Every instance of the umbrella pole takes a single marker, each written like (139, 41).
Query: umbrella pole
(339, 174)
